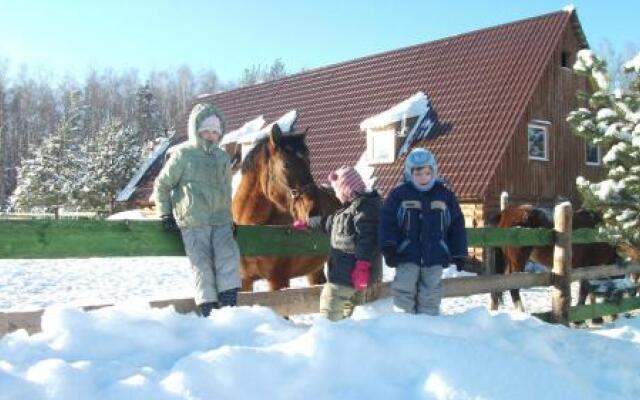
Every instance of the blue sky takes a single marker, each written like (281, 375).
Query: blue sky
(69, 36)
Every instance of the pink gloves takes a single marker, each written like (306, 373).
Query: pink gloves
(360, 274)
(300, 225)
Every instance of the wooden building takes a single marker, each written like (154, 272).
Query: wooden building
(501, 96)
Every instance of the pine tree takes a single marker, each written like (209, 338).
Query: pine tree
(112, 156)
(45, 180)
(611, 120)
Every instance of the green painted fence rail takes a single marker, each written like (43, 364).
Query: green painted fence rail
(99, 238)
(83, 238)
(596, 310)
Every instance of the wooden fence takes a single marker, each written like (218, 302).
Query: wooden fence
(80, 238)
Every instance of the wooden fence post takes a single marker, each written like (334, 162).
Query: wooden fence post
(561, 274)
(490, 258)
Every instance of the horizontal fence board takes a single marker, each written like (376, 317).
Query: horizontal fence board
(591, 311)
(597, 310)
(603, 271)
(99, 238)
(80, 239)
(586, 235)
(306, 300)
(495, 237)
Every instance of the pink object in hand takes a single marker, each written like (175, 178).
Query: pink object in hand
(300, 225)
(360, 274)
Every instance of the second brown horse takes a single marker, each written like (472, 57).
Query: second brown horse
(514, 259)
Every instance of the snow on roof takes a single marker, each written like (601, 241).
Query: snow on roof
(235, 181)
(285, 123)
(250, 127)
(158, 150)
(414, 106)
(366, 171)
(418, 106)
(569, 8)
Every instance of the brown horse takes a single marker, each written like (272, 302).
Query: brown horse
(273, 172)
(514, 259)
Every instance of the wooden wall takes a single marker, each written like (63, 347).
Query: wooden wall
(541, 182)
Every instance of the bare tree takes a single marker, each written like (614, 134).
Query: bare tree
(33, 103)
(615, 59)
(258, 73)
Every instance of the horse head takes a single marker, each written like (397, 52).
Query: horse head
(313, 200)
(282, 165)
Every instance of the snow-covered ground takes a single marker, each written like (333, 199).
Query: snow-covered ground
(36, 284)
(135, 352)
(131, 351)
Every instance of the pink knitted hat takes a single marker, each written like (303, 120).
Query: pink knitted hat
(347, 183)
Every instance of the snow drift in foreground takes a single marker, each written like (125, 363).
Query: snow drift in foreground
(135, 352)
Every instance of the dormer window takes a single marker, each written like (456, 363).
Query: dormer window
(538, 140)
(391, 133)
(381, 146)
(593, 154)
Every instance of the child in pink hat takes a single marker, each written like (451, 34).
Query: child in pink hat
(354, 258)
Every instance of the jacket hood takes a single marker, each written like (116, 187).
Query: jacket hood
(199, 113)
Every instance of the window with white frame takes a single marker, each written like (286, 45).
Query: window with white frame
(381, 146)
(538, 141)
(593, 155)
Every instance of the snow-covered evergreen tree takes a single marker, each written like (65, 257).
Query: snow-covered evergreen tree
(112, 156)
(611, 120)
(46, 179)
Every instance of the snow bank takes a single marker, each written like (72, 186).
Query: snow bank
(251, 353)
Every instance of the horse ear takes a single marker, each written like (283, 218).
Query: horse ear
(276, 135)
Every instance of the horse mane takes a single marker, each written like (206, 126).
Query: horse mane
(294, 141)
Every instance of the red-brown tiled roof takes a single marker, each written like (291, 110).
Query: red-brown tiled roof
(479, 84)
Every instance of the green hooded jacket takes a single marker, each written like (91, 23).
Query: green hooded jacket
(196, 181)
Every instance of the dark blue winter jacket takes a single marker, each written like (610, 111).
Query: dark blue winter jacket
(426, 228)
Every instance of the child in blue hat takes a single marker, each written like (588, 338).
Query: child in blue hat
(421, 232)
